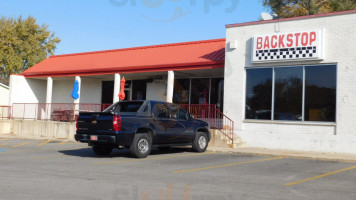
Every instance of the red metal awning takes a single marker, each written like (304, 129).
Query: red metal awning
(204, 54)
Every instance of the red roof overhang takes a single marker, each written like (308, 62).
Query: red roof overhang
(205, 54)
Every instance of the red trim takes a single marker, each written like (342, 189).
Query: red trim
(155, 69)
(292, 18)
(143, 47)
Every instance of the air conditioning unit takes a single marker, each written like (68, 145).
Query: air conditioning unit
(160, 79)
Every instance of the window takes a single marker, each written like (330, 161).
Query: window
(320, 93)
(128, 106)
(160, 111)
(217, 93)
(258, 94)
(288, 93)
(200, 91)
(177, 112)
(181, 91)
(303, 93)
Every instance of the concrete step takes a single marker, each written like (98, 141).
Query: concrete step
(219, 140)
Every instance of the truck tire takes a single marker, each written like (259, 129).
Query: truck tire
(200, 142)
(101, 150)
(141, 145)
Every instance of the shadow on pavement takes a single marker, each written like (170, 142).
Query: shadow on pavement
(88, 152)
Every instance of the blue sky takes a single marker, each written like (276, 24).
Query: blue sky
(92, 25)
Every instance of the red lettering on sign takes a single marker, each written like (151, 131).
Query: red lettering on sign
(266, 44)
(280, 41)
(296, 39)
(312, 37)
(259, 43)
(290, 40)
(274, 42)
(304, 39)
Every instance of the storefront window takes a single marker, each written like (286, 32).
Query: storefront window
(217, 92)
(319, 102)
(258, 94)
(288, 93)
(181, 91)
(320, 93)
(200, 91)
(196, 91)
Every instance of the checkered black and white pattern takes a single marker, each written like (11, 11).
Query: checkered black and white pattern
(286, 53)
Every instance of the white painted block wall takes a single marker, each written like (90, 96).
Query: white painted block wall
(4, 95)
(156, 91)
(24, 90)
(340, 48)
(90, 91)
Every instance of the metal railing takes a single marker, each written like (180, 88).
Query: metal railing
(53, 111)
(201, 111)
(66, 112)
(225, 125)
(5, 112)
(212, 115)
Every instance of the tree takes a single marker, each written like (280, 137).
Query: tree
(292, 8)
(23, 43)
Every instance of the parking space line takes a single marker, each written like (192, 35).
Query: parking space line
(43, 143)
(63, 142)
(226, 165)
(320, 176)
(21, 144)
(3, 144)
(4, 139)
(155, 158)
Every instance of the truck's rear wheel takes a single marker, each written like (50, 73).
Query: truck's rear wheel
(141, 145)
(102, 150)
(200, 142)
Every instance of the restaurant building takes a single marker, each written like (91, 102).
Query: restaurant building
(290, 83)
(286, 83)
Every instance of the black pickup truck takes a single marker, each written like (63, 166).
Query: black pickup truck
(139, 126)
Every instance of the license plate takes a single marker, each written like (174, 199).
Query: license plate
(94, 137)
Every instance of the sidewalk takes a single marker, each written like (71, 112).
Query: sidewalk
(288, 153)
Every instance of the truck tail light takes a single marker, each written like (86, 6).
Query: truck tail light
(116, 123)
(76, 122)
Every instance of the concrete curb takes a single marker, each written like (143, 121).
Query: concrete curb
(11, 136)
(288, 153)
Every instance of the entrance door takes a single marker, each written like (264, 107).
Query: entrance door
(128, 94)
(107, 92)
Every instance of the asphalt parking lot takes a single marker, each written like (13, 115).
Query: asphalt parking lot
(41, 169)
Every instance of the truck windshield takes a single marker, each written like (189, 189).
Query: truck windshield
(124, 107)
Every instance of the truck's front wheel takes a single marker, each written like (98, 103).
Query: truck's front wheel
(101, 150)
(200, 142)
(141, 145)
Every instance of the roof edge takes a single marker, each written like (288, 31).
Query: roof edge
(125, 71)
(5, 86)
(130, 68)
(141, 47)
(291, 18)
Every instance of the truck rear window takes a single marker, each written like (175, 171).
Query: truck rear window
(125, 107)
